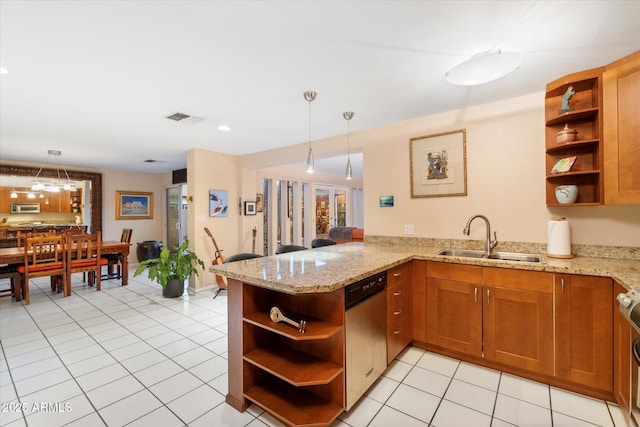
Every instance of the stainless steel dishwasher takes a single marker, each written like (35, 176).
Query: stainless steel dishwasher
(365, 327)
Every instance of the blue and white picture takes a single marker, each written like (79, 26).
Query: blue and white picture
(386, 201)
(218, 203)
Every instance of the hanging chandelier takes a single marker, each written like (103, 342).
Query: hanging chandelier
(55, 186)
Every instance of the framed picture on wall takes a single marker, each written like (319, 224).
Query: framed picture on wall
(134, 205)
(218, 203)
(259, 198)
(438, 164)
(249, 208)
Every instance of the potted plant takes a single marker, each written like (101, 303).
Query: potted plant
(171, 270)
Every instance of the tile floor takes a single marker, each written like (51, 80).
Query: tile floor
(127, 356)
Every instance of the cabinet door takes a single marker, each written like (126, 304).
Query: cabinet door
(584, 330)
(621, 107)
(454, 315)
(518, 328)
(622, 358)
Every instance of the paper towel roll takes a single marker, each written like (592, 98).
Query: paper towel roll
(559, 238)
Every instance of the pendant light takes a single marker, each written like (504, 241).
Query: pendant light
(348, 115)
(310, 96)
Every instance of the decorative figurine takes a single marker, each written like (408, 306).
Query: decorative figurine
(565, 100)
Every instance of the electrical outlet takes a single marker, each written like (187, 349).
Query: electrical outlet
(408, 229)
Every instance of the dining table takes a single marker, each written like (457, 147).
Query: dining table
(15, 255)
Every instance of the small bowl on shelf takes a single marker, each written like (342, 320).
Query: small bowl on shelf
(566, 135)
(566, 194)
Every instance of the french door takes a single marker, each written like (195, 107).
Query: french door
(331, 208)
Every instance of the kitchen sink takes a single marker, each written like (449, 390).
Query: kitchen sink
(500, 256)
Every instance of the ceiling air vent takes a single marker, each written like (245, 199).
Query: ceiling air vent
(178, 116)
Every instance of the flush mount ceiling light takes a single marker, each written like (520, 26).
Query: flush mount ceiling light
(484, 68)
(224, 128)
(348, 115)
(310, 96)
(3, 70)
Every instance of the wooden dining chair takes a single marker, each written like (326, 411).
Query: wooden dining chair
(115, 260)
(83, 256)
(43, 256)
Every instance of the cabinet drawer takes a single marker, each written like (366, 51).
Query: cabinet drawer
(399, 274)
(457, 272)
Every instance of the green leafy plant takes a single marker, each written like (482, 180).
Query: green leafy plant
(180, 265)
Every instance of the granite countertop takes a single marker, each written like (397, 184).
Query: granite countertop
(329, 268)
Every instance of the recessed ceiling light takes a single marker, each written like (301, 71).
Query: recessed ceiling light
(484, 68)
(3, 70)
(224, 128)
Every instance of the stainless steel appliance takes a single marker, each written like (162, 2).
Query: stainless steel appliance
(630, 308)
(365, 327)
(25, 208)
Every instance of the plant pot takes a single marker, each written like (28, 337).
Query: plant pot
(174, 288)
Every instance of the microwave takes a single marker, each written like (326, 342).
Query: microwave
(25, 208)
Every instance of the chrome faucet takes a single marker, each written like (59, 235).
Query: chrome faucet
(488, 244)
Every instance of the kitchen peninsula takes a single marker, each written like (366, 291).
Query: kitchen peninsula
(300, 377)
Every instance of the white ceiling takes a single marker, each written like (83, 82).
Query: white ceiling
(95, 79)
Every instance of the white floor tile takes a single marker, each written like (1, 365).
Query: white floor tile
(175, 386)
(114, 391)
(391, 417)
(100, 377)
(410, 355)
(453, 415)
(562, 420)
(159, 417)
(524, 389)
(362, 413)
(581, 407)
(223, 415)
(42, 381)
(133, 407)
(196, 403)
(413, 402)
(382, 389)
(478, 375)
(437, 363)
(210, 369)
(521, 413)
(397, 370)
(158, 372)
(193, 357)
(469, 395)
(428, 381)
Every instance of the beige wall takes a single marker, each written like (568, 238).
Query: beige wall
(143, 229)
(505, 173)
(506, 181)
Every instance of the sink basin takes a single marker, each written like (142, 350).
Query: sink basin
(500, 256)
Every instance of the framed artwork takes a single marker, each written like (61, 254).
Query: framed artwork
(134, 205)
(249, 208)
(218, 203)
(259, 199)
(438, 164)
(386, 201)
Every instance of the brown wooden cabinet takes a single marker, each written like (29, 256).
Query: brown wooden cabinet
(454, 307)
(584, 330)
(518, 318)
(621, 109)
(399, 310)
(297, 377)
(586, 117)
(622, 358)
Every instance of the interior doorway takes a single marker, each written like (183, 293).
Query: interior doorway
(176, 208)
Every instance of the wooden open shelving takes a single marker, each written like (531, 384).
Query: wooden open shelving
(299, 378)
(586, 118)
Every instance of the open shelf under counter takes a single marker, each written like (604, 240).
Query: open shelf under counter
(295, 367)
(294, 406)
(315, 329)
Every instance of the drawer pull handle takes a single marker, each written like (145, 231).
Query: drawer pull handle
(397, 332)
(397, 274)
(396, 293)
(475, 295)
(397, 312)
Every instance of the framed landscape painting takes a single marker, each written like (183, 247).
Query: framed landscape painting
(134, 205)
